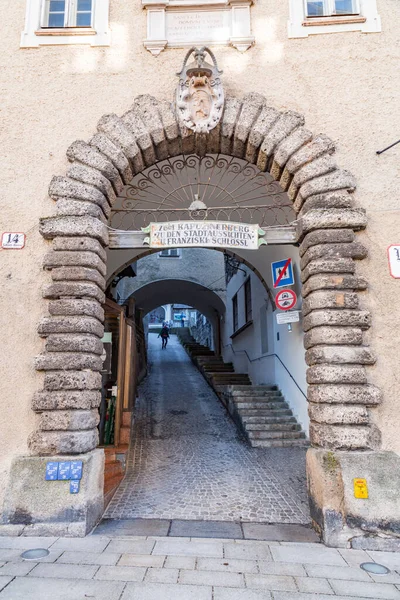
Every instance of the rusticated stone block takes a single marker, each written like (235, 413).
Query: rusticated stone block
(78, 274)
(80, 244)
(354, 218)
(285, 124)
(337, 180)
(72, 380)
(82, 153)
(71, 420)
(115, 154)
(84, 399)
(118, 132)
(76, 289)
(79, 208)
(354, 250)
(339, 318)
(52, 227)
(291, 144)
(135, 125)
(68, 342)
(326, 236)
(44, 443)
(324, 265)
(265, 120)
(318, 146)
(200, 143)
(338, 414)
(65, 187)
(333, 335)
(74, 307)
(171, 128)
(318, 167)
(228, 123)
(148, 108)
(343, 437)
(333, 282)
(345, 394)
(251, 106)
(328, 299)
(360, 355)
(65, 324)
(93, 177)
(336, 374)
(68, 361)
(214, 140)
(187, 139)
(340, 199)
(74, 259)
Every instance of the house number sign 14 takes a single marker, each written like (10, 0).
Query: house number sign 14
(13, 241)
(394, 260)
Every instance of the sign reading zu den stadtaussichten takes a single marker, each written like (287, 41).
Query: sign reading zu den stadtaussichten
(212, 234)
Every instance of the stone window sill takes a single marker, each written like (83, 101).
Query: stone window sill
(66, 31)
(241, 329)
(317, 22)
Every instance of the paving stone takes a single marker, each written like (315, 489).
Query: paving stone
(389, 559)
(61, 589)
(142, 560)
(300, 596)
(87, 544)
(222, 593)
(271, 582)
(18, 569)
(273, 568)
(142, 527)
(58, 571)
(189, 548)
(131, 547)
(247, 551)
(4, 581)
(211, 578)
(161, 591)
(367, 590)
(88, 558)
(303, 554)
(227, 565)
(7, 554)
(207, 529)
(121, 573)
(26, 543)
(155, 575)
(279, 533)
(346, 573)
(354, 558)
(311, 585)
(180, 562)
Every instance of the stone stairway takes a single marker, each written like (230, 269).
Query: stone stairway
(259, 411)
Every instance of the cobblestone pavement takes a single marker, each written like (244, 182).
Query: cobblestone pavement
(188, 460)
(157, 568)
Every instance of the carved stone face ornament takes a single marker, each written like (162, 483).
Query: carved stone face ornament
(199, 96)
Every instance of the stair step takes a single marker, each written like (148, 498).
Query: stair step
(254, 392)
(273, 427)
(266, 435)
(113, 468)
(239, 400)
(267, 420)
(112, 483)
(268, 406)
(301, 443)
(263, 412)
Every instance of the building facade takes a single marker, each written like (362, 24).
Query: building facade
(311, 94)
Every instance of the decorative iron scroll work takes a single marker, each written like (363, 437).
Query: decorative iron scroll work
(199, 95)
(212, 187)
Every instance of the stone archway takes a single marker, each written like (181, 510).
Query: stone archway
(339, 394)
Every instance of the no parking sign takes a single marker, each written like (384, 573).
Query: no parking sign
(285, 299)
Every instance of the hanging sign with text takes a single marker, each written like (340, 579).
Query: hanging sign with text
(204, 234)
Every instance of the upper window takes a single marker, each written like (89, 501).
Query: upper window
(169, 253)
(235, 314)
(64, 22)
(308, 17)
(67, 13)
(247, 300)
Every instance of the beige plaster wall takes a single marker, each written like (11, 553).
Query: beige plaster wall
(347, 85)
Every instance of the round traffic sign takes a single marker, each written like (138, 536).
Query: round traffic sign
(285, 299)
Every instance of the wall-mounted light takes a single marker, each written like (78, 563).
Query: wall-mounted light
(289, 328)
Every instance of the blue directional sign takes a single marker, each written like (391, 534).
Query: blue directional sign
(51, 471)
(282, 273)
(74, 486)
(76, 469)
(64, 471)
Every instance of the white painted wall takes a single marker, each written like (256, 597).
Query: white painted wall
(252, 351)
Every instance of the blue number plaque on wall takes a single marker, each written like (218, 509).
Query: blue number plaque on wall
(51, 471)
(76, 469)
(74, 485)
(64, 471)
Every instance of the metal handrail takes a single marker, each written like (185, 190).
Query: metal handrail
(267, 356)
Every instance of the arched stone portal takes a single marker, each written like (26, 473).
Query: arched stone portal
(327, 221)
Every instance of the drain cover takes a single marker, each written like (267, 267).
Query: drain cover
(35, 553)
(375, 568)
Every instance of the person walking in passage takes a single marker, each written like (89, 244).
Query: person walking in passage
(164, 333)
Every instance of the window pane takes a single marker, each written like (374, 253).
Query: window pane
(57, 6)
(83, 19)
(344, 7)
(315, 9)
(56, 20)
(84, 5)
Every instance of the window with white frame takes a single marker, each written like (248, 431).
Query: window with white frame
(169, 253)
(308, 17)
(64, 22)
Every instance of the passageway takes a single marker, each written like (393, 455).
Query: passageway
(188, 460)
